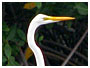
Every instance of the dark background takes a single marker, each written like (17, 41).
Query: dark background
(57, 40)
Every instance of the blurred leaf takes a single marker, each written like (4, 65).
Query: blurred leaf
(12, 62)
(16, 39)
(4, 59)
(7, 50)
(21, 43)
(38, 4)
(12, 33)
(49, 26)
(3, 37)
(29, 5)
(33, 5)
(21, 34)
(69, 24)
(4, 26)
(28, 53)
(82, 8)
(15, 50)
(41, 38)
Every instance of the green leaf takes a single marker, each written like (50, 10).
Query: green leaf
(49, 26)
(69, 24)
(15, 50)
(12, 33)
(21, 43)
(12, 62)
(4, 59)
(16, 39)
(38, 4)
(7, 50)
(3, 37)
(4, 26)
(41, 38)
(82, 8)
(21, 34)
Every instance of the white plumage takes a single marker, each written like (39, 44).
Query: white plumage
(40, 19)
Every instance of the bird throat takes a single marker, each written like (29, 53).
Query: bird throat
(39, 45)
(34, 45)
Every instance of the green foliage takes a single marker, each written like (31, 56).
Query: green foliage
(21, 34)
(11, 43)
(4, 27)
(15, 50)
(13, 30)
(41, 38)
(21, 43)
(4, 59)
(12, 62)
(82, 8)
(69, 24)
(32, 5)
(38, 4)
(49, 26)
(7, 50)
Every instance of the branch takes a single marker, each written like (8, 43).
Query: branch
(54, 56)
(55, 52)
(65, 47)
(75, 48)
(23, 57)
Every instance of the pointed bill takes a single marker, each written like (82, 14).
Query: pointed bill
(59, 18)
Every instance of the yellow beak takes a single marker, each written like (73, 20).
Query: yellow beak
(59, 18)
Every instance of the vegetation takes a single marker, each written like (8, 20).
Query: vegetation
(57, 40)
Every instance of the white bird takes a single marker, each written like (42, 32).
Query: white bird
(37, 21)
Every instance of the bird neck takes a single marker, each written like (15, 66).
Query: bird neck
(31, 42)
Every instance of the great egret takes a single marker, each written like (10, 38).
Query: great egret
(37, 21)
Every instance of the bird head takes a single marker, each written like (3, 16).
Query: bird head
(42, 19)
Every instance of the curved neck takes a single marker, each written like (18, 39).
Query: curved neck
(31, 42)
